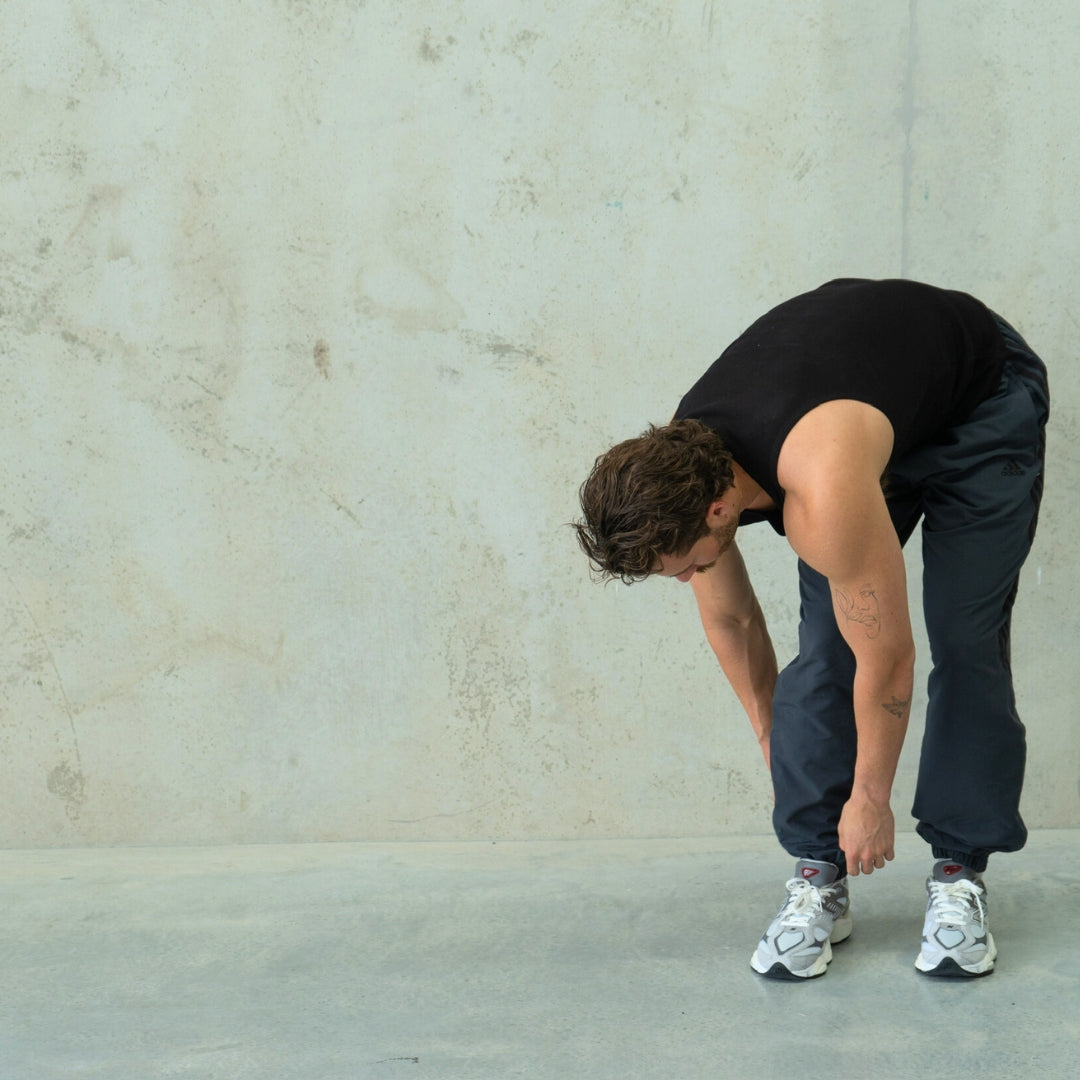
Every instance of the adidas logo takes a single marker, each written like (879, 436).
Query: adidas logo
(1012, 467)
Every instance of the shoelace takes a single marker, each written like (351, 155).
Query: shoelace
(803, 903)
(952, 901)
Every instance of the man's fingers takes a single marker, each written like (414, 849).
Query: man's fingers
(867, 865)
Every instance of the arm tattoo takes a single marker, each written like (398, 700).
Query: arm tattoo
(896, 707)
(862, 608)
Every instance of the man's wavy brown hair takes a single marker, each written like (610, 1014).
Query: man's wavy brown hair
(647, 497)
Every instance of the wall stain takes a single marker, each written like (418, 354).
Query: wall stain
(433, 307)
(803, 164)
(522, 45)
(708, 19)
(517, 196)
(507, 355)
(321, 355)
(64, 781)
(342, 507)
(431, 52)
(104, 196)
(489, 697)
(452, 814)
(201, 386)
(70, 785)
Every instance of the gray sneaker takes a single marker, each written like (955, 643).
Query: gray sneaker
(956, 939)
(815, 916)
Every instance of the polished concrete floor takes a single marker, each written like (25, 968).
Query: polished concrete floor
(559, 961)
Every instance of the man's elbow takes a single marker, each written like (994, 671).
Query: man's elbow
(735, 623)
(893, 666)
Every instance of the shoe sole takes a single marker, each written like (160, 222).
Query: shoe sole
(782, 974)
(820, 966)
(948, 968)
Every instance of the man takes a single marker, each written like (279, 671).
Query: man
(842, 417)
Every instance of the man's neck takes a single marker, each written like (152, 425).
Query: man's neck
(748, 493)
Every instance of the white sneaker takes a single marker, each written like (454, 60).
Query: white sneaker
(815, 916)
(956, 939)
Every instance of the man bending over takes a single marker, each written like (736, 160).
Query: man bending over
(842, 417)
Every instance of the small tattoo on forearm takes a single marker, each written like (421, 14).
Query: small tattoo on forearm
(862, 608)
(896, 707)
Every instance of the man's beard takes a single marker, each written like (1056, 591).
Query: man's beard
(724, 535)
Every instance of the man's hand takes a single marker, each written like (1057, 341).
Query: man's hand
(866, 835)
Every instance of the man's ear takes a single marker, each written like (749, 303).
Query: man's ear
(719, 512)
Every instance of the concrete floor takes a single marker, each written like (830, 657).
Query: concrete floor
(566, 961)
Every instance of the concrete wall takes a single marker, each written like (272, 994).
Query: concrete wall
(313, 316)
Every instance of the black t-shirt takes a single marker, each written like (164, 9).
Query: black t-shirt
(924, 356)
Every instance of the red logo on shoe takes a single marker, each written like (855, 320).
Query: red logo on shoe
(809, 872)
(952, 868)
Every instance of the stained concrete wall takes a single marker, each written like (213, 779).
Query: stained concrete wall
(313, 316)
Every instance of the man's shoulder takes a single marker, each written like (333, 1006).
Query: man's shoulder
(835, 443)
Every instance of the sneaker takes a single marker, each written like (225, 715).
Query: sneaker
(956, 940)
(815, 916)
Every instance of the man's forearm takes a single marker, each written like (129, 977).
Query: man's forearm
(882, 701)
(745, 652)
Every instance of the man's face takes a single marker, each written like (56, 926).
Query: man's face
(702, 556)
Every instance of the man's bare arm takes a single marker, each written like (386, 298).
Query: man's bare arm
(735, 629)
(837, 522)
